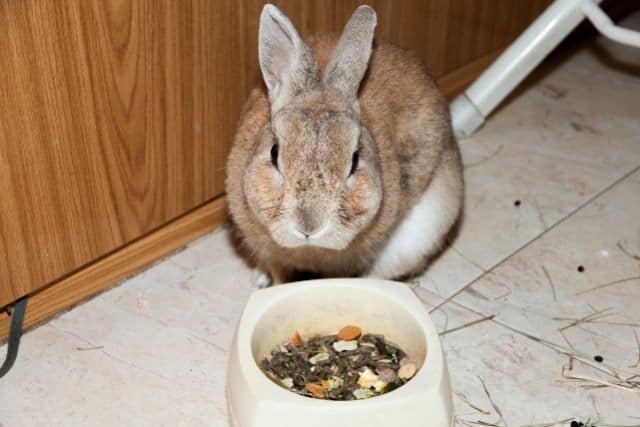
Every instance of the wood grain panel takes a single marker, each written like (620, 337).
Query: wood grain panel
(116, 117)
(457, 81)
(103, 273)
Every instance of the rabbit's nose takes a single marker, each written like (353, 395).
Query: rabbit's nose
(304, 233)
(308, 223)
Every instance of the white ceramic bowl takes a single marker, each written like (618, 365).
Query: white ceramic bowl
(323, 307)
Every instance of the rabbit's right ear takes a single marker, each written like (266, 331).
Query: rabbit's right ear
(287, 63)
(350, 59)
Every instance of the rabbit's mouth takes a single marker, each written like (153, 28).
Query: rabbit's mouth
(290, 236)
(311, 238)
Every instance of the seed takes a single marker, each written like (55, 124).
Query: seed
(580, 269)
(387, 375)
(296, 339)
(332, 383)
(406, 371)
(320, 357)
(405, 360)
(380, 386)
(517, 203)
(363, 393)
(598, 358)
(345, 345)
(349, 333)
(367, 378)
(316, 389)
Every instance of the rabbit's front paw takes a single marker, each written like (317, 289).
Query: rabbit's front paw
(261, 279)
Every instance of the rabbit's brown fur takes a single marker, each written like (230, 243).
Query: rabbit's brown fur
(407, 118)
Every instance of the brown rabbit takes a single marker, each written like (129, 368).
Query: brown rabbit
(347, 164)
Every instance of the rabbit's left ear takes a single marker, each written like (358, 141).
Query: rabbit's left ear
(351, 57)
(288, 65)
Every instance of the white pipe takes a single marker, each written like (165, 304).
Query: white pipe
(469, 110)
(604, 24)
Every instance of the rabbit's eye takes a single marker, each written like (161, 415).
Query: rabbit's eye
(274, 155)
(354, 162)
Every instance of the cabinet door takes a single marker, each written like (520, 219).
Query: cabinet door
(115, 117)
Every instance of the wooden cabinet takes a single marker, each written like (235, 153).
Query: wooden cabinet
(116, 116)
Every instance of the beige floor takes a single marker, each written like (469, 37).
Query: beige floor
(153, 350)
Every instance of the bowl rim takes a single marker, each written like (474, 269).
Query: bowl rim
(429, 374)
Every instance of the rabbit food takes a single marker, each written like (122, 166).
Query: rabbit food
(345, 366)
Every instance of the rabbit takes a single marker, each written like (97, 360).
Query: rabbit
(345, 163)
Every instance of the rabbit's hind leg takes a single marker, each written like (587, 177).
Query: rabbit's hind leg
(422, 232)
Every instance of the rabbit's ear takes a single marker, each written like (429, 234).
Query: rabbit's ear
(351, 56)
(288, 65)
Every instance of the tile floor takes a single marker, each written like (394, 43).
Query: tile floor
(153, 350)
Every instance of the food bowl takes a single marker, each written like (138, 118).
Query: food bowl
(321, 307)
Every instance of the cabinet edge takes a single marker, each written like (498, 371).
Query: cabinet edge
(118, 265)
